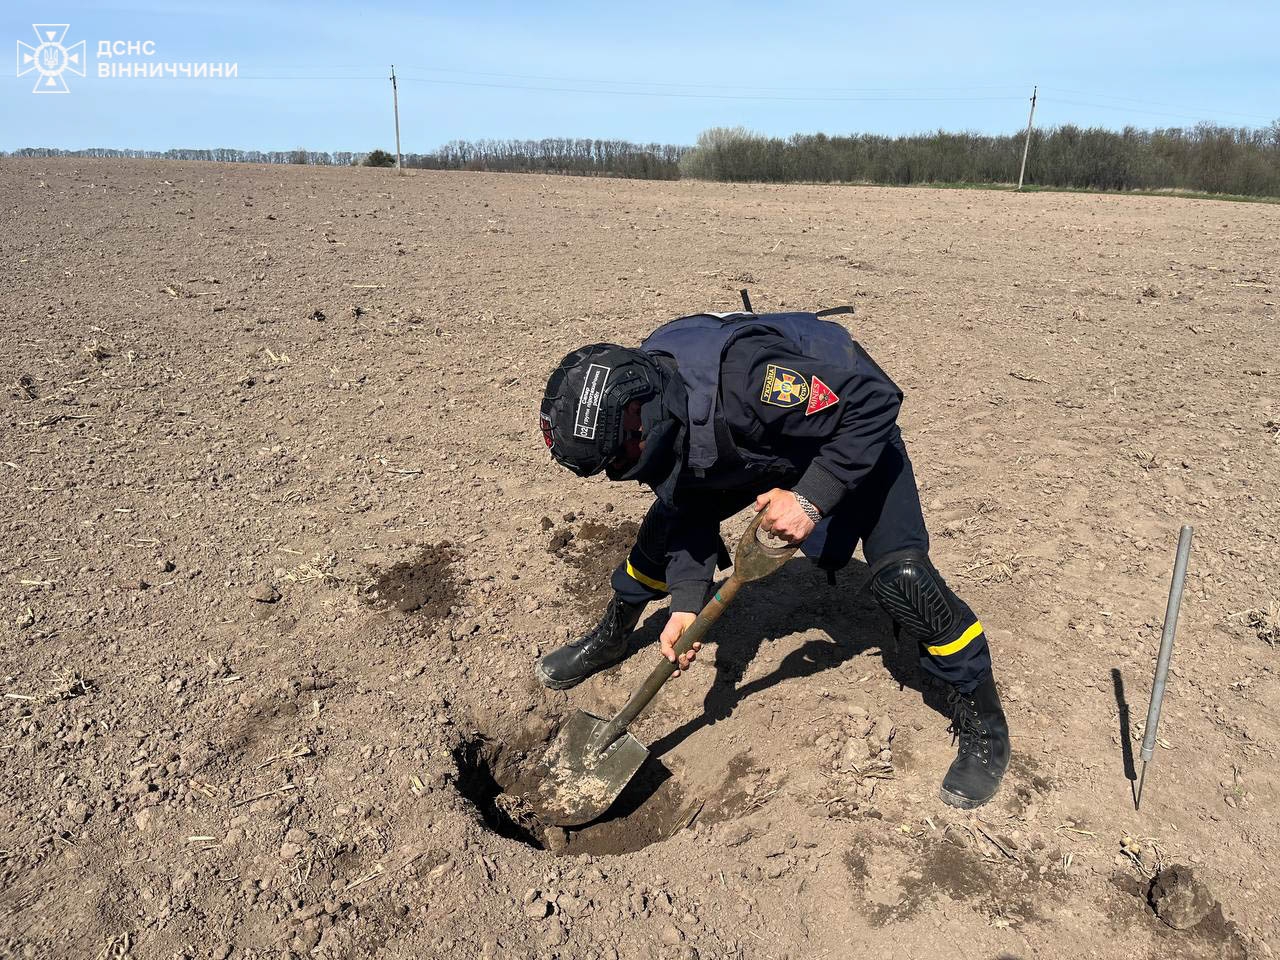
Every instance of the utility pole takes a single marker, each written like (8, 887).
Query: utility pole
(395, 100)
(1027, 145)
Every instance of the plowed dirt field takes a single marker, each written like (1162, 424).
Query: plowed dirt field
(282, 543)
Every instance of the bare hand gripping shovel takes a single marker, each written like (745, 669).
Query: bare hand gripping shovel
(593, 759)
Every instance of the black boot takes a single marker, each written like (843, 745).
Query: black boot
(602, 647)
(978, 720)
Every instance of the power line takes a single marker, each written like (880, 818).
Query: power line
(1157, 103)
(1124, 109)
(707, 86)
(706, 96)
(690, 92)
(673, 94)
(243, 76)
(685, 85)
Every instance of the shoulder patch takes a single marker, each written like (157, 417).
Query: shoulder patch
(783, 387)
(820, 397)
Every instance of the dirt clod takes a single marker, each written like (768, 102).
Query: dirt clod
(1178, 898)
(559, 540)
(423, 585)
(596, 551)
(535, 907)
(265, 592)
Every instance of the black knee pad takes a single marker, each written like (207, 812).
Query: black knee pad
(912, 591)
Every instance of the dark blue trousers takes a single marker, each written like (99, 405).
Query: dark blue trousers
(883, 514)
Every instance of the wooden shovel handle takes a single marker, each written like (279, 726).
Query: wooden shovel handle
(665, 668)
(753, 560)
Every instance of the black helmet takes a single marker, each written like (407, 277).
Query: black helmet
(581, 415)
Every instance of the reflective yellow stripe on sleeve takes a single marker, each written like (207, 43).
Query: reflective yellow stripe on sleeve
(956, 645)
(649, 582)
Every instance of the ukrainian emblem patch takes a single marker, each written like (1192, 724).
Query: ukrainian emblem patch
(783, 387)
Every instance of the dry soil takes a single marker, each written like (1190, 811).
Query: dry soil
(282, 543)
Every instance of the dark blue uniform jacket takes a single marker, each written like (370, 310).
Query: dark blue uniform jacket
(790, 421)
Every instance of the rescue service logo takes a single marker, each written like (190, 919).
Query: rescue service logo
(783, 387)
(50, 59)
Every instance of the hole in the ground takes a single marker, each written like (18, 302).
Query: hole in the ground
(476, 782)
(650, 809)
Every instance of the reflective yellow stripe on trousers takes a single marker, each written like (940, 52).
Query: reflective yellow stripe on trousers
(955, 646)
(649, 582)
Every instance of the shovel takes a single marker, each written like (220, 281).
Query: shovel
(593, 759)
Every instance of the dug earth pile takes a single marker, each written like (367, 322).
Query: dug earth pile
(282, 544)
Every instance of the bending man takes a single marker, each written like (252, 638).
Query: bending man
(788, 413)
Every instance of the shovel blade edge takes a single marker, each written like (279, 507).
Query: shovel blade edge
(582, 783)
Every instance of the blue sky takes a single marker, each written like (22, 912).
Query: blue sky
(314, 74)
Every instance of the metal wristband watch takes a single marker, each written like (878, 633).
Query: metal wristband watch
(810, 511)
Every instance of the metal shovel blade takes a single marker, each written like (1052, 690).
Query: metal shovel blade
(582, 781)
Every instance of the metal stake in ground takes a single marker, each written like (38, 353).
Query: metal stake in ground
(1166, 654)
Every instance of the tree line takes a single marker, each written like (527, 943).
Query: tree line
(1209, 158)
(1213, 159)
(580, 157)
(340, 158)
(577, 157)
